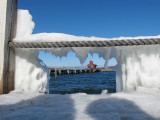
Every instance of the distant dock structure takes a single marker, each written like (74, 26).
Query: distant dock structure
(91, 68)
(60, 71)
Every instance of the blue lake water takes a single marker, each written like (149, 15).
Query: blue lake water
(90, 83)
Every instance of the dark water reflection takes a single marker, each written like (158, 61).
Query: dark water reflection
(90, 83)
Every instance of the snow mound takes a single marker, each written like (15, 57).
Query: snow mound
(104, 92)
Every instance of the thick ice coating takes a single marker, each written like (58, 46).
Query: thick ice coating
(137, 66)
(31, 74)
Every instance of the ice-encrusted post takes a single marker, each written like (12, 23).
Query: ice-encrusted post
(8, 16)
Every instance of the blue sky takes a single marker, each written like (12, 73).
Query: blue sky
(101, 18)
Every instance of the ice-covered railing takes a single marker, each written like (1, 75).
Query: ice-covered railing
(83, 43)
(25, 39)
(138, 62)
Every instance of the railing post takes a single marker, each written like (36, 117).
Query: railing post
(8, 16)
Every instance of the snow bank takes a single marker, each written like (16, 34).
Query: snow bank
(137, 66)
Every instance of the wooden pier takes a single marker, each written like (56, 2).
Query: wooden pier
(70, 71)
(55, 72)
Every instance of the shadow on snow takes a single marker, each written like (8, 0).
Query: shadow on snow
(61, 107)
(116, 109)
(43, 107)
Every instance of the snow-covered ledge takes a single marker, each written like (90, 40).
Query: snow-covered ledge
(137, 66)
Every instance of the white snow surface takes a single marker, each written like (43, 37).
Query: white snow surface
(118, 106)
(138, 66)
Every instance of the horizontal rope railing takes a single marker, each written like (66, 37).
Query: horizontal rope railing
(107, 43)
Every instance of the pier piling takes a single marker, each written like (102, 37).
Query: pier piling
(55, 73)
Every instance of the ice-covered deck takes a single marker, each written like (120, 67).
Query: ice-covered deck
(119, 106)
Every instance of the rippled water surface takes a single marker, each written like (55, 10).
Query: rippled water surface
(90, 83)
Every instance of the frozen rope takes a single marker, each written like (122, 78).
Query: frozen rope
(107, 43)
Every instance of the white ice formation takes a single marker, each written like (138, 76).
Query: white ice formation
(137, 65)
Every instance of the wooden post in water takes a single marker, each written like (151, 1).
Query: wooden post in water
(75, 71)
(60, 71)
(55, 73)
(68, 71)
(94, 70)
(8, 18)
(49, 71)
